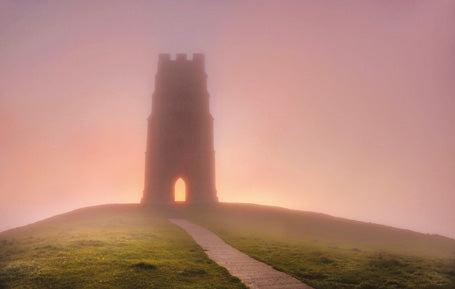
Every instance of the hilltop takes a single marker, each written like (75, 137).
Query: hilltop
(131, 246)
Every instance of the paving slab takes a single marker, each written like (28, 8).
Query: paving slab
(251, 272)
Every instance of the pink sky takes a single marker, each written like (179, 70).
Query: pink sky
(340, 107)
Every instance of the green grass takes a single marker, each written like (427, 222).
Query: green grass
(114, 246)
(328, 252)
(129, 246)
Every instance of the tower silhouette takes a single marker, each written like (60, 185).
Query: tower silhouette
(180, 133)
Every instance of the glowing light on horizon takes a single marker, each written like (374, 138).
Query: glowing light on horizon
(310, 111)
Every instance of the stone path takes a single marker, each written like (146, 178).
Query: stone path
(251, 272)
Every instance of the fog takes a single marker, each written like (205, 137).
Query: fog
(340, 107)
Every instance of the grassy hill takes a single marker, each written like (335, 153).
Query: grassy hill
(130, 246)
(112, 246)
(328, 252)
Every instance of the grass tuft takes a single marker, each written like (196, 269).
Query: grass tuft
(367, 285)
(144, 265)
(192, 272)
(387, 263)
(312, 276)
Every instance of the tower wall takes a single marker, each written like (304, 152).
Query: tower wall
(180, 133)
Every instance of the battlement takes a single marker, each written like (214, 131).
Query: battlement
(181, 57)
(169, 66)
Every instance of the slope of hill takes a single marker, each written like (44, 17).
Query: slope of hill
(328, 252)
(130, 246)
(112, 246)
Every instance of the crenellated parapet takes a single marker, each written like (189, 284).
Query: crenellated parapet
(182, 69)
(181, 58)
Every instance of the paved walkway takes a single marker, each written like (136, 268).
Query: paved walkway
(251, 272)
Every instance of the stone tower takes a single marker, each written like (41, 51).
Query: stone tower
(180, 133)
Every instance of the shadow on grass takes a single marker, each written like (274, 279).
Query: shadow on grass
(192, 272)
(144, 265)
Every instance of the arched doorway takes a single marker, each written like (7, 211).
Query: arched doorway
(180, 190)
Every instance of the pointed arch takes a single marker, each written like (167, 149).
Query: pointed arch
(180, 190)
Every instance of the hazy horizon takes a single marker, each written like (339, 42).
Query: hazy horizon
(339, 107)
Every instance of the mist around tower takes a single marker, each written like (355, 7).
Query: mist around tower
(227, 144)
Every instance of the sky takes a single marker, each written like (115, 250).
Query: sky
(340, 107)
